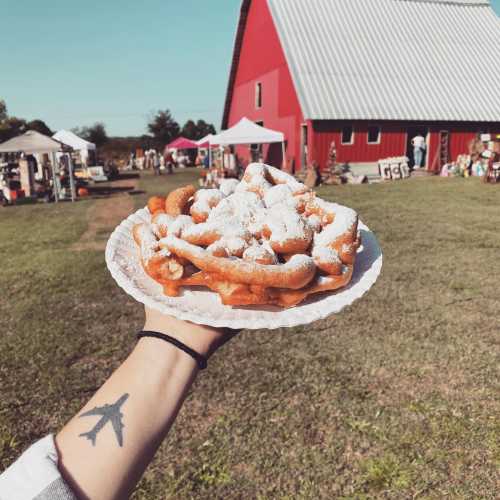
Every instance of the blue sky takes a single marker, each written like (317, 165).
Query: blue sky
(74, 63)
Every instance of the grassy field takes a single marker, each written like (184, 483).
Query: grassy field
(397, 397)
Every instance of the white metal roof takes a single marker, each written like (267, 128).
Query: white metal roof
(392, 59)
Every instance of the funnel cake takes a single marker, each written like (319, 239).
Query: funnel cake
(268, 241)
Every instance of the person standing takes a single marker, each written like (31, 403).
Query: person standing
(169, 162)
(131, 162)
(419, 147)
(156, 163)
(206, 161)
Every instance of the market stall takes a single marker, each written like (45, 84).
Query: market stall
(205, 141)
(482, 160)
(85, 149)
(492, 161)
(205, 148)
(31, 143)
(246, 132)
(180, 144)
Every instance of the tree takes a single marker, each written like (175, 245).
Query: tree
(39, 126)
(204, 128)
(146, 141)
(11, 127)
(3, 110)
(198, 130)
(190, 130)
(95, 133)
(163, 127)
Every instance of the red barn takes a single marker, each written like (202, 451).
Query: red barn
(367, 74)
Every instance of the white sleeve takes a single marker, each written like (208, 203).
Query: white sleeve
(35, 475)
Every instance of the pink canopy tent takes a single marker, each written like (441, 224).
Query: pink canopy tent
(182, 143)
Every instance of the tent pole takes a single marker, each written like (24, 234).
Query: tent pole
(209, 155)
(71, 180)
(283, 159)
(54, 180)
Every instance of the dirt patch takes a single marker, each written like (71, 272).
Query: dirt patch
(103, 216)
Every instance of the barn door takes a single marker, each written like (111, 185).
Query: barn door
(442, 156)
(412, 132)
(303, 146)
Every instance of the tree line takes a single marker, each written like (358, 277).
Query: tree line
(162, 129)
(12, 126)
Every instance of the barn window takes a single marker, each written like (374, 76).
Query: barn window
(258, 95)
(374, 134)
(347, 135)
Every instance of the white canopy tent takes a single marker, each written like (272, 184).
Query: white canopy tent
(204, 140)
(33, 142)
(248, 132)
(205, 143)
(77, 143)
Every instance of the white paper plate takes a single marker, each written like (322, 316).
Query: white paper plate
(204, 307)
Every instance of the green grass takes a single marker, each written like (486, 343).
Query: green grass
(396, 397)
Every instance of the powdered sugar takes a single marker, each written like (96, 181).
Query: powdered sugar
(229, 227)
(228, 186)
(286, 224)
(261, 218)
(325, 255)
(205, 200)
(258, 169)
(149, 242)
(228, 247)
(335, 230)
(181, 223)
(260, 253)
(258, 184)
(260, 175)
(164, 224)
(278, 194)
(161, 223)
(164, 252)
(314, 222)
(344, 221)
(280, 177)
(235, 246)
(297, 262)
(240, 205)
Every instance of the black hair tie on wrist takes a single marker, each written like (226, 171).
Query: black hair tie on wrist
(201, 361)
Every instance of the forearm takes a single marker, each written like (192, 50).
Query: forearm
(103, 461)
(156, 376)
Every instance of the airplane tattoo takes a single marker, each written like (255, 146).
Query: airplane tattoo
(108, 413)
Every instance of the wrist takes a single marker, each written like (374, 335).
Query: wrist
(201, 339)
(158, 357)
(201, 360)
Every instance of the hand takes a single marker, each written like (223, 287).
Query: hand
(203, 339)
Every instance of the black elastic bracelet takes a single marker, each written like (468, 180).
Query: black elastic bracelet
(201, 361)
